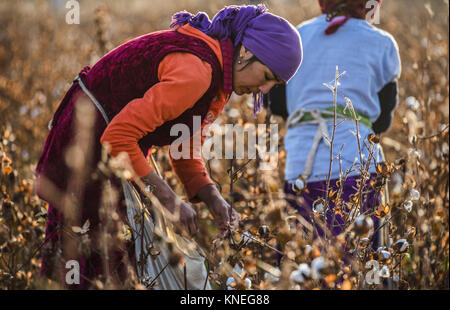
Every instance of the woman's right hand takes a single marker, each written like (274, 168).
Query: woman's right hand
(185, 213)
(187, 216)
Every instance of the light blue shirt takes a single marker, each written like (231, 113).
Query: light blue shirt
(371, 60)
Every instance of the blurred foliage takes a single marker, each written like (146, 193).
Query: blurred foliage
(40, 55)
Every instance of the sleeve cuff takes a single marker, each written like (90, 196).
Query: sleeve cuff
(141, 166)
(195, 184)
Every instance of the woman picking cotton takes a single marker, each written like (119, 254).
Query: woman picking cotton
(342, 36)
(140, 90)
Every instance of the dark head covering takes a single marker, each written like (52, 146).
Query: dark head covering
(271, 38)
(339, 11)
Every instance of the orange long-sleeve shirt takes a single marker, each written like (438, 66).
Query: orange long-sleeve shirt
(184, 78)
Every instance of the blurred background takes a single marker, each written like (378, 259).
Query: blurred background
(40, 55)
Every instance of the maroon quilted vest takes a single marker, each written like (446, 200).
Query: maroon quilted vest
(128, 71)
(122, 75)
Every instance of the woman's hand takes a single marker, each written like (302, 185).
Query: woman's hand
(219, 208)
(186, 214)
(173, 203)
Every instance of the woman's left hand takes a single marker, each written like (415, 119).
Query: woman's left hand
(219, 208)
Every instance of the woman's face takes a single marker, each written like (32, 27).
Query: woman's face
(252, 78)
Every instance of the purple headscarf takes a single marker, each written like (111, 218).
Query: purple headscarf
(272, 39)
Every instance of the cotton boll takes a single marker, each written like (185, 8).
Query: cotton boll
(233, 113)
(407, 205)
(318, 206)
(296, 276)
(304, 270)
(230, 281)
(415, 194)
(385, 255)
(247, 283)
(300, 274)
(364, 243)
(384, 272)
(299, 185)
(412, 103)
(238, 269)
(317, 265)
(308, 249)
(270, 277)
(363, 224)
(401, 246)
(247, 237)
(264, 231)
(397, 182)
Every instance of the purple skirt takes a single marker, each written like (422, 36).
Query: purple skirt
(54, 176)
(303, 203)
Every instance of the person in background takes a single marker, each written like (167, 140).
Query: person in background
(342, 36)
(138, 91)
